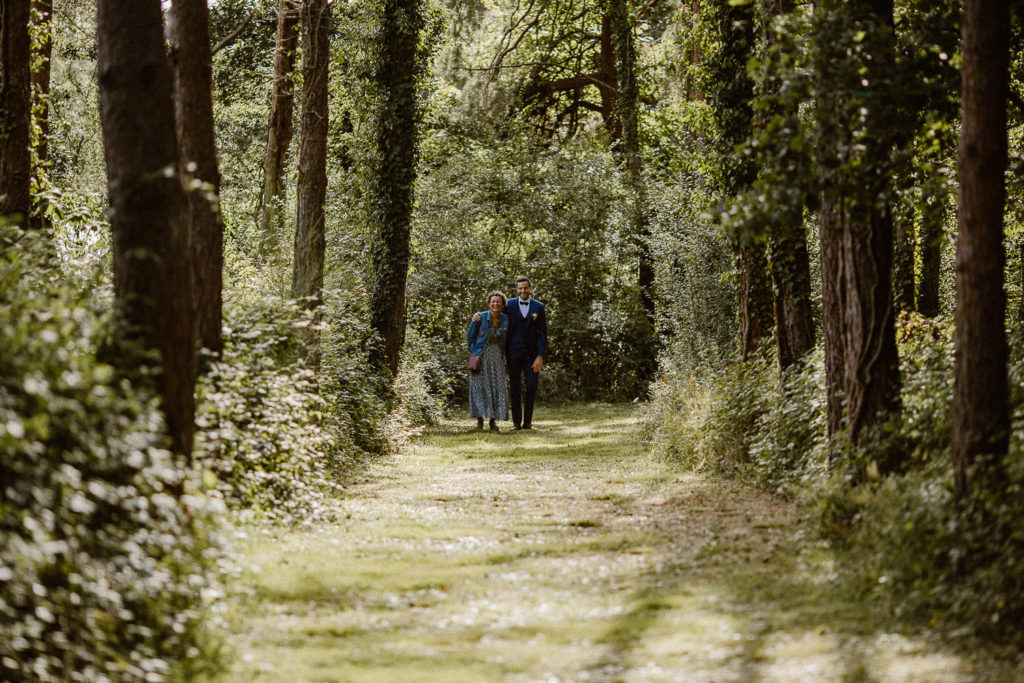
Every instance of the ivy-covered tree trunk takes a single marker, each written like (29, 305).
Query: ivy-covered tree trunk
(15, 111)
(279, 130)
(731, 94)
(932, 234)
(42, 20)
(310, 241)
(981, 415)
(153, 288)
(789, 263)
(392, 196)
(629, 124)
(190, 51)
(858, 123)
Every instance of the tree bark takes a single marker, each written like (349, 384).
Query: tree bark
(42, 17)
(190, 50)
(310, 241)
(279, 129)
(981, 416)
(15, 112)
(397, 69)
(153, 288)
(613, 31)
(856, 225)
(833, 304)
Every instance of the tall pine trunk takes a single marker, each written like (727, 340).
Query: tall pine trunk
(833, 304)
(392, 196)
(153, 288)
(15, 111)
(279, 129)
(190, 49)
(310, 241)
(981, 416)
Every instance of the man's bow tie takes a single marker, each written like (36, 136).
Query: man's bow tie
(524, 303)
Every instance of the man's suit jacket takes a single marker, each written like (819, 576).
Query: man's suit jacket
(526, 336)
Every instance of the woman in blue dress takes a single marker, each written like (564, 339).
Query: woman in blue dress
(488, 388)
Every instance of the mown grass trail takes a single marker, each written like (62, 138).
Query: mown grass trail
(564, 554)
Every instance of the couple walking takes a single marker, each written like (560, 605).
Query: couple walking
(512, 334)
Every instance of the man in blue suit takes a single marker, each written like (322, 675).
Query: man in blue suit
(525, 346)
(524, 350)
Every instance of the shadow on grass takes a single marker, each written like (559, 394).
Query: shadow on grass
(770, 604)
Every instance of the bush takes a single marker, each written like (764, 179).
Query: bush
(105, 566)
(261, 418)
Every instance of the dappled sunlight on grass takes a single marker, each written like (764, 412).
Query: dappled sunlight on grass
(560, 554)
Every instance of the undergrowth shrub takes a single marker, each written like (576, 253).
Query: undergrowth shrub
(899, 534)
(106, 567)
(263, 423)
(905, 539)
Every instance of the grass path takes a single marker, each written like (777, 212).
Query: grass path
(563, 554)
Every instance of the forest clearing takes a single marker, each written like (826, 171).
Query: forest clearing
(563, 554)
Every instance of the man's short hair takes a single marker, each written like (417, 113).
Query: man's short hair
(524, 279)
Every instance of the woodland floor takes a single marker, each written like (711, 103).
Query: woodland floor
(562, 554)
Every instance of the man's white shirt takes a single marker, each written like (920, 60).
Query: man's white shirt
(524, 307)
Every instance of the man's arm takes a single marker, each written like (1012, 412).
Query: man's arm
(542, 339)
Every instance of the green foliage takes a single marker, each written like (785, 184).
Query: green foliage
(261, 418)
(107, 547)
(492, 209)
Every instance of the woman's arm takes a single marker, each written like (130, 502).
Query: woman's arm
(474, 328)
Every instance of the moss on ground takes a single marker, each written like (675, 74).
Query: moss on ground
(560, 554)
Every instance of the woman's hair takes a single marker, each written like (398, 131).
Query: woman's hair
(504, 299)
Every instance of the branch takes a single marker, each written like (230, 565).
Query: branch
(234, 34)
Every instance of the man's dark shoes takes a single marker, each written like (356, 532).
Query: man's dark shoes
(527, 426)
(516, 427)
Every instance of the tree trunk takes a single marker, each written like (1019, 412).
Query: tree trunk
(392, 198)
(833, 304)
(731, 93)
(190, 50)
(933, 213)
(903, 264)
(609, 86)
(153, 288)
(42, 18)
(981, 416)
(15, 112)
(279, 129)
(856, 222)
(791, 288)
(310, 241)
(628, 116)
(789, 265)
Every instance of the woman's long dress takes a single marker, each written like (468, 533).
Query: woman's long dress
(488, 389)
